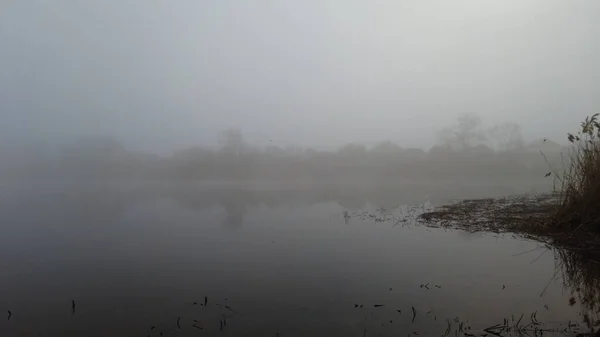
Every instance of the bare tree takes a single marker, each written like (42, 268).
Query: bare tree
(507, 136)
(465, 134)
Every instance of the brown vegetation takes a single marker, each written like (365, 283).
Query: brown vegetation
(580, 184)
(568, 218)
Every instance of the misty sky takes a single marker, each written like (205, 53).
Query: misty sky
(160, 75)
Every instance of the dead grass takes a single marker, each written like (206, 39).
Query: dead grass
(580, 184)
(568, 218)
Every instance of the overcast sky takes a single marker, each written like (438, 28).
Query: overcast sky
(160, 75)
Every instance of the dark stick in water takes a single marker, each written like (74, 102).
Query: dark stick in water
(73, 307)
(9, 314)
(178, 326)
(205, 300)
(414, 314)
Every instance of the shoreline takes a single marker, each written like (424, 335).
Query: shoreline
(529, 216)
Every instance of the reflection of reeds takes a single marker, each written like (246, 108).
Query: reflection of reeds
(581, 275)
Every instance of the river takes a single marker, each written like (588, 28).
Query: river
(99, 259)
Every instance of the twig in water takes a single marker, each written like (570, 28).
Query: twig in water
(9, 315)
(537, 258)
(178, 326)
(519, 321)
(414, 314)
(448, 329)
(549, 281)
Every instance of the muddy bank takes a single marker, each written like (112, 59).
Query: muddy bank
(529, 216)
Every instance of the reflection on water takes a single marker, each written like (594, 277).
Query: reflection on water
(581, 276)
(270, 260)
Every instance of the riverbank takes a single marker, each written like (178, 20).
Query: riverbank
(529, 216)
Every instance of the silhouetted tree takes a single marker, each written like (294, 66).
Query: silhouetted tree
(506, 137)
(465, 133)
(232, 141)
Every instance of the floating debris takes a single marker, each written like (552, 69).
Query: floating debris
(399, 311)
(178, 326)
(414, 314)
(447, 332)
(205, 300)
(72, 307)
(503, 287)
(378, 305)
(152, 327)
(356, 305)
(9, 315)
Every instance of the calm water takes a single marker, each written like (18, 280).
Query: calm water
(281, 258)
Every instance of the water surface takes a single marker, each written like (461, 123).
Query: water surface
(270, 259)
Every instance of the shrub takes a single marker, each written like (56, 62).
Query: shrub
(580, 183)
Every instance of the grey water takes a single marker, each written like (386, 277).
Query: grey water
(271, 260)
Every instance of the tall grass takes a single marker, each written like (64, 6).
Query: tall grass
(580, 184)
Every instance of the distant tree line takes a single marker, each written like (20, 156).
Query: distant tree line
(465, 150)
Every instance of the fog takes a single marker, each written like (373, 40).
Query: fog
(257, 167)
(160, 76)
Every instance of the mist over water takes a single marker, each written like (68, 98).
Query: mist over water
(256, 169)
(284, 258)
